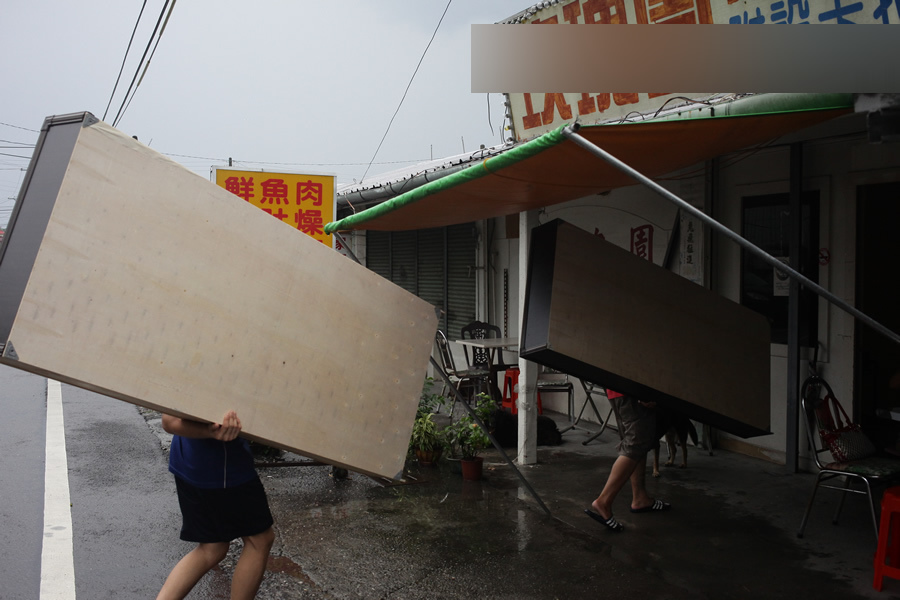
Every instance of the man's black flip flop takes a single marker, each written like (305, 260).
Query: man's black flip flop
(610, 523)
(657, 506)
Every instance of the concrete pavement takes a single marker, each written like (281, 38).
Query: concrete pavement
(731, 533)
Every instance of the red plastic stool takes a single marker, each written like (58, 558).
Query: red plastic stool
(888, 539)
(510, 381)
(510, 395)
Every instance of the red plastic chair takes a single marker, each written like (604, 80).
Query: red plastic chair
(887, 557)
(510, 393)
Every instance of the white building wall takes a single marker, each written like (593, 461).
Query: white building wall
(834, 166)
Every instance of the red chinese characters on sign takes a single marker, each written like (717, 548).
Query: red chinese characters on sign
(605, 12)
(307, 190)
(240, 186)
(303, 201)
(642, 241)
(588, 104)
(645, 11)
(310, 222)
(684, 12)
(274, 191)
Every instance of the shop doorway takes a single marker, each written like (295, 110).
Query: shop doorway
(877, 359)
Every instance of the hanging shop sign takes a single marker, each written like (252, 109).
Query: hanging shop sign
(305, 201)
(533, 114)
(692, 248)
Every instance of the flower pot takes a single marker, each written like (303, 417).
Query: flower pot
(428, 458)
(455, 464)
(472, 467)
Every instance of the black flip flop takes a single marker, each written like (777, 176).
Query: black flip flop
(657, 506)
(610, 523)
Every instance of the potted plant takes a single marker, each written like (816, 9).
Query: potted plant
(428, 439)
(469, 439)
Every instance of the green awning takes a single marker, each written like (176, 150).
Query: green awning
(551, 169)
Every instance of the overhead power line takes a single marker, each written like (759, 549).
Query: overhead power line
(166, 12)
(407, 89)
(125, 58)
(296, 164)
(22, 128)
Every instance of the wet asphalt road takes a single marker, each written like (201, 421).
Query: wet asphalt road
(731, 535)
(336, 539)
(123, 502)
(23, 402)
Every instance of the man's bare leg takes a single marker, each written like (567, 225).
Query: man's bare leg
(622, 471)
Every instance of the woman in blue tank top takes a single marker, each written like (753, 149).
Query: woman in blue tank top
(221, 499)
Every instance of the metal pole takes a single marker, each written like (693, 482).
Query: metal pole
(792, 416)
(484, 428)
(570, 132)
(346, 247)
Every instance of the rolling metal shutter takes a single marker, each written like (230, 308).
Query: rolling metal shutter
(437, 265)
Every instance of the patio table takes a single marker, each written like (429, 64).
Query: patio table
(493, 346)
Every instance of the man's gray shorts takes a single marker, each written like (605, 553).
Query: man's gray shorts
(637, 423)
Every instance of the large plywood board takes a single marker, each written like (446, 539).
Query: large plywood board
(600, 313)
(155, 286)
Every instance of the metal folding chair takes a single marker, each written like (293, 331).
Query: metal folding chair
(483, 358)
(474, 378)
(590, 389)
(824, 415)
(560, 386)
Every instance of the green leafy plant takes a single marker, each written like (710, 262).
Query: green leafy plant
(428, 439)
(429, 400)
(466, 436)
(426, 435)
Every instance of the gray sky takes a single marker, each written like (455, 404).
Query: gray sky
(277, 84)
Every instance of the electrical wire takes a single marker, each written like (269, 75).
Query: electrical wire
(138, 69)
(659, 110)
(152, 54)
(17, 127)
(129, 94)
(294, 164)
(407, 89)
(390, 162)
(124, 58)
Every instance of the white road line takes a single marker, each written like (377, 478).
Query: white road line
(57, 560)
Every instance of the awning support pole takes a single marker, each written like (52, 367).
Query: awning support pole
(484, 428)
(570, 132)
(792, 408)
(343, 242)
(461, 400)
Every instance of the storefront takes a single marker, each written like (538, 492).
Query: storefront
(848, 187)
(745, 160)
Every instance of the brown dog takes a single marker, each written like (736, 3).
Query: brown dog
(676, 428)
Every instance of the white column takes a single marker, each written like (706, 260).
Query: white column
(527, 400)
